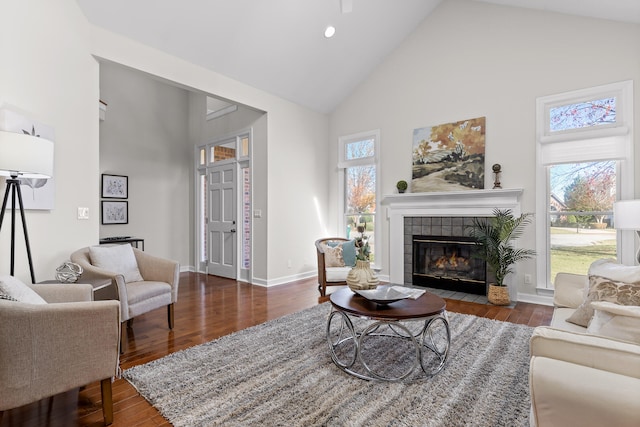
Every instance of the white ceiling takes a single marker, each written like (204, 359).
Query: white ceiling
(278, 45)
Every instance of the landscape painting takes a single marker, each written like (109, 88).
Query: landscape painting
(449, 157)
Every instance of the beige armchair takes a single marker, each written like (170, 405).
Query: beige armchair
(158, 289)
(46, 349)
(329, 276)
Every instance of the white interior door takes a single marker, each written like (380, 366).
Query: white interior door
(222, 242)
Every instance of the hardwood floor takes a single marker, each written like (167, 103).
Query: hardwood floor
(208, 307)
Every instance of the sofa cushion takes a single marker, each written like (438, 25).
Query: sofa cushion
(14, 289)
(333, 256)
(604, 289)
(118, 259)
(611, 269)
(337, 274)
(570, 289)
(616, 321)
(612, 355)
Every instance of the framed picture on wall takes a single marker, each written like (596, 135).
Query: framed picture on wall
(115, 212)
(115, 186)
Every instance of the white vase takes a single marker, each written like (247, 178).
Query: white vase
(361, 277)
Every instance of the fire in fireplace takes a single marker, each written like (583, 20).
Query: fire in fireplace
(447, 263)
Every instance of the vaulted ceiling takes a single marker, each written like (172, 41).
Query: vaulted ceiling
(279, 45)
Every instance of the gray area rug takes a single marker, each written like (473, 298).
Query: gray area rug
(280, 373)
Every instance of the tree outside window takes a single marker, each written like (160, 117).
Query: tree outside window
(360, 190)
(581, 206)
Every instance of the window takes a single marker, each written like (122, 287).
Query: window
(596, 112)
(358, 162)
(581, 215)
(584, 164)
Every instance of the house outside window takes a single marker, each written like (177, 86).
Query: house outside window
(359, 187)
(584, 164)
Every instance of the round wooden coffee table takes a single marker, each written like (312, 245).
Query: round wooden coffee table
(356, 326)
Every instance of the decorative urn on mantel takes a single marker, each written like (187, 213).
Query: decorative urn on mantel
(361, 276)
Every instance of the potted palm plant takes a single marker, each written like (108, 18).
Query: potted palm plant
(495, 237)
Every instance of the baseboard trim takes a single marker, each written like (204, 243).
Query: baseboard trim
(535, 299)
(284, 280)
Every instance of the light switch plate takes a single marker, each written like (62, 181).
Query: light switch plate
(83, 213)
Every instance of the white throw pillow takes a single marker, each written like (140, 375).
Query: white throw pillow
(14, 288)
(615, 321)
(612, 270)
(117, 258)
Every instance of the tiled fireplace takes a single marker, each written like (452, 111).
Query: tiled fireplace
(438, 216)
(440, 255)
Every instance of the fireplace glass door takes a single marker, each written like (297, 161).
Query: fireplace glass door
(448, 263)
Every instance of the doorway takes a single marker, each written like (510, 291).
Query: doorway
(221, 226)
(224, 206)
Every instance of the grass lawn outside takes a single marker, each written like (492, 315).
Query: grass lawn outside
(573, 252)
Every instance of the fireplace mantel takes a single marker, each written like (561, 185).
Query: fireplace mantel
(454, 203)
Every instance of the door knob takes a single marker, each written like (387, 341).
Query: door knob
(233, 230)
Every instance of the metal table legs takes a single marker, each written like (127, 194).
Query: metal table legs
(351, 348)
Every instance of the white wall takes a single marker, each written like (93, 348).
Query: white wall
(295, 162)
(48, 73)
(48, 70)
(145, 137)
(471, 59)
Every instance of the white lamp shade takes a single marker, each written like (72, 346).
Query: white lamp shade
(29, 156)
(626, 215)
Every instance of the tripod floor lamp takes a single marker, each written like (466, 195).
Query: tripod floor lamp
(22, 156)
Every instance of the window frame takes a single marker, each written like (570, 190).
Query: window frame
(603, 142)
(343, 164)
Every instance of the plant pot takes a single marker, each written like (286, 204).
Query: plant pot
(361, 277)
(498, 295)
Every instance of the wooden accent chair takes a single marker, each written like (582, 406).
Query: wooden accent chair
(158, 288)
(337, 278)
(47, 349)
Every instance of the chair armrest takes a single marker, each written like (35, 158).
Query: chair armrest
(607, 354)
(570, 289)
(54, 347)
(64, 292)
(156, 268)
(566, 394)
(322, 274)
(159, 270)
(92, 272)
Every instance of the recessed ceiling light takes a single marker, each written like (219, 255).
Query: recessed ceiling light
(329, 31)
